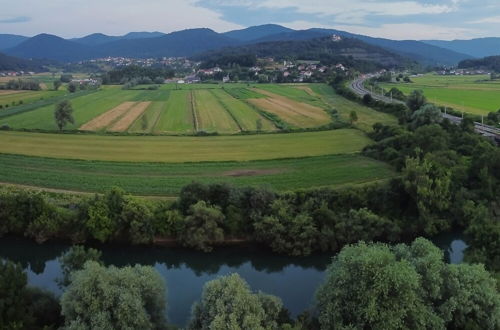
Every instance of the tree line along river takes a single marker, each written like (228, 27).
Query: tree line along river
(293, 279)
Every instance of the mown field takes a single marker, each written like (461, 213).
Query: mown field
(163, 179)
(473, 94)
(178, 149)
(188, 109)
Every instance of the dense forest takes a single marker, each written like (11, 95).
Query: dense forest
(351, 52)
(487, 63)
(147, 74)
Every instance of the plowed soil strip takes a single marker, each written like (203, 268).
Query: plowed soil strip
(107, 118)
(128, 119)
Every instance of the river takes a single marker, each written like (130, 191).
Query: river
(293, 279)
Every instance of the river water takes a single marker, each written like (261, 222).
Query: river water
(293, 279)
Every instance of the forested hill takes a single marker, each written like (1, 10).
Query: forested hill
(11, 63)
(487, 63)
(348, 51)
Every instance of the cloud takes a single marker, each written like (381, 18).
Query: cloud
(19, 19)
(412, 31)
(114, 17)
(486, 20)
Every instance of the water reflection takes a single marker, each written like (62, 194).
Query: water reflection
(293, 279)
(185, 271)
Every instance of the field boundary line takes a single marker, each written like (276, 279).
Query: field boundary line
(224, 105)
(193, 110)
(153, 127)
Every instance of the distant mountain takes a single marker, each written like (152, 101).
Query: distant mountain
(348, 51)
(181, 43)
(10, 40)
(10, 63)
(481, 47)
(257, 32)
(47, 46)
(95, 39)
(488, 63)
(195, 41)
(142, 35)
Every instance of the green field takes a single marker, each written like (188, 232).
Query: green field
(473, 94)
(27, 97)
(178, 149)
(244, 115)
(148, 121)
(211, 115)
(178, 114)
(167, 179)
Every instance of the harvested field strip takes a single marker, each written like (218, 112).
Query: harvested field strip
(8, 92)
(177, 117)
(128, 118)
(211, 115)
(295, 113)
(164, 179)
(179, 149)
(107, 118)
(243, 114)
(149, 119)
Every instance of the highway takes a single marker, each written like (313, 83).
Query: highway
(357, 86)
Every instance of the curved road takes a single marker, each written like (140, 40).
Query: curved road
(357, 86)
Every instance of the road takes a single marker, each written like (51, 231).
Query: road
(357, 86)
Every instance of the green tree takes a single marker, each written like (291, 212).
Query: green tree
(14, 313)
(429, 185)
(228, 303)
(416, 100)
(425, 115)
(63, 114)
(353, 117)
(203, 227)
(366, 287)
(72, 87)
(258, 124)
(138, 218)
(57, 84)
(75, 258)
(114, 298)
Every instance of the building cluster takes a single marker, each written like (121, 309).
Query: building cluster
(16, 73)
(462, 72)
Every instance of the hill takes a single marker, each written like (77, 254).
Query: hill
(481, 47)
(257, 32)
(349, 51)
(416, 50)
(47, 46)
(10, 40)
(487, 63)
(95, 39)
(10, 63)
(181, 43)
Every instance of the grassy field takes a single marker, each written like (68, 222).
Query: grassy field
(183, 149)
(366, 116)
(148, 121)
(244, 115)
(211, 115)
(473, 94)
(178, 114)
(167, 179)
(26, 97)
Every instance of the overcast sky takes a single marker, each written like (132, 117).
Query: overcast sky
(395, 19)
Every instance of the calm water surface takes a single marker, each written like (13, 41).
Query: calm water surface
(292, 279)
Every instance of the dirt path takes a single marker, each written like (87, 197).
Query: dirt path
(107, 118)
